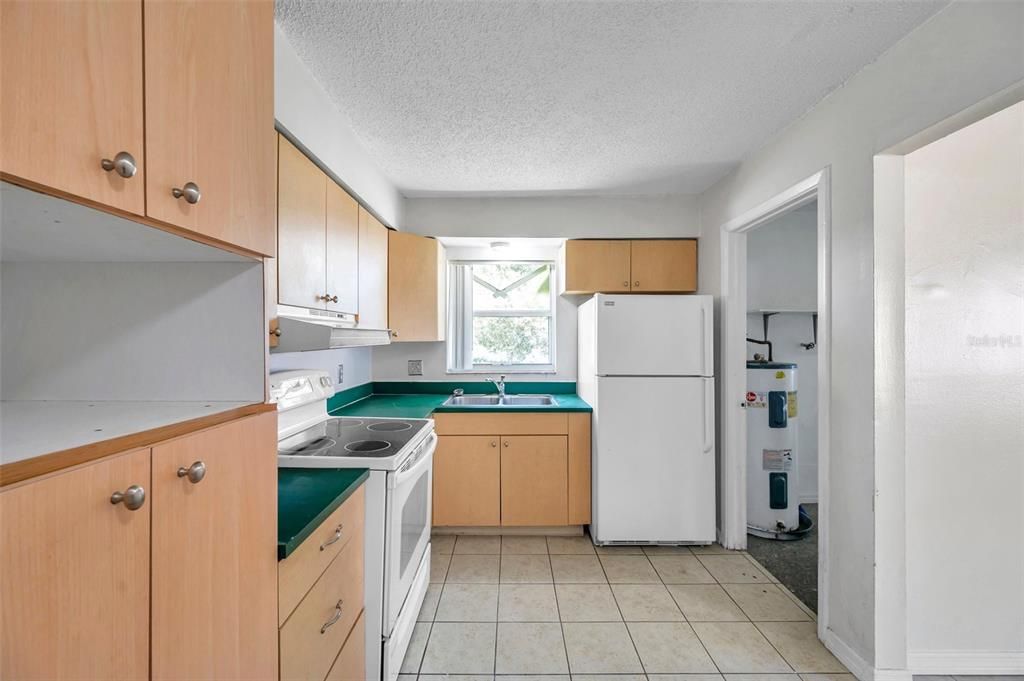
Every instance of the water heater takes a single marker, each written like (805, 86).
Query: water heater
(771, 402)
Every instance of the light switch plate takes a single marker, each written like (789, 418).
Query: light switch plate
(415, 367)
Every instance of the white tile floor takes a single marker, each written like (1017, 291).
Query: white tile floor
(556, 606)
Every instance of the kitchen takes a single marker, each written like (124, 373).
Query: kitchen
(471, 386)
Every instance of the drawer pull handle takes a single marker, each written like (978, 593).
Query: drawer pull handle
(334, 618)
(195, 473)
(334, 538)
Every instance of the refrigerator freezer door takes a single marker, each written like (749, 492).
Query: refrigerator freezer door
(654, 460)
(653, 335)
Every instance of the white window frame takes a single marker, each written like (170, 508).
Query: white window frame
(461, 315)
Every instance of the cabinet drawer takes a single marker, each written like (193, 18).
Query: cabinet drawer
(506, 423)
(298, 572)
(351, 662)
(309, 641)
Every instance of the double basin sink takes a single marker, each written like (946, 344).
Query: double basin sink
(500, 401)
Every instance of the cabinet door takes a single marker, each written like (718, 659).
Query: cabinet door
(351, 662)
(534, 480)
(72, 96)
(210, 118)
(214, 579)
(467, 485)
(342, 250)
(596, 266)
(664, 265)
(415, 287)
(301, 229)
(74, 598)
(373, 272)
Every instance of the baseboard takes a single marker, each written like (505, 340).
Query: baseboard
(947, 662)
(857, 665)
(558, 530)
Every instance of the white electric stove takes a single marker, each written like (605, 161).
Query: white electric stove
(399, 454)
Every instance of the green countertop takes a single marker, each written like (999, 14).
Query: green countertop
(306, 496)
(422, 405)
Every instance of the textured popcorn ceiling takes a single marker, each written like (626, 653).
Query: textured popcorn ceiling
(526, 97)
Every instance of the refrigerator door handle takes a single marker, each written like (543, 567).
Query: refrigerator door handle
(709, 427)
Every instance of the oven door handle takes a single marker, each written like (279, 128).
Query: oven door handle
(423, 458)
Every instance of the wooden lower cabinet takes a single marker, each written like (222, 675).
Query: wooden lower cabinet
(537, 474)
(180, 586)
(534, 480)
(351, 662)
(74, 591)
(467, 475)
(322, 633)
(214, 597)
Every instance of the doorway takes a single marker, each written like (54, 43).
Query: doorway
(803, 319)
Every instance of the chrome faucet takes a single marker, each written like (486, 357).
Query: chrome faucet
(499, 384)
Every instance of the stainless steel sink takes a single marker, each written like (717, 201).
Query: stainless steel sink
(529, 400)
(473, 400)
(495, 401)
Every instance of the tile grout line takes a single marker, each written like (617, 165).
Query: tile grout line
(643, 667)
(685, 618)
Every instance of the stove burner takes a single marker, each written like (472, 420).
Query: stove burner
(346, 423)
(367, 446)
(389, 426)
(311, 448)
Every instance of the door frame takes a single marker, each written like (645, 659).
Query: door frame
(733, 530)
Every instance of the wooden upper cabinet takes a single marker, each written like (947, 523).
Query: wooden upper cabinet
(624, 266)
(664, 265)
(342, 250)
(74, 597)
(596, 265)
(373, 271)
(301, 229)
(416, 292)
(467, 481)
(209, 71)
(534, 480)
(72, 96)
(214, 553)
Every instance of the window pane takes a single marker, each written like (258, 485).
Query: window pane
(511, 340)
(511, 286)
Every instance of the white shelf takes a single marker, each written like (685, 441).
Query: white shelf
(34, 428)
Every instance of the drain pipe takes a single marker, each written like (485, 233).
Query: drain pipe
(764, 317)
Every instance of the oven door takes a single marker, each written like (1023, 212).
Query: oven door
(407, 527)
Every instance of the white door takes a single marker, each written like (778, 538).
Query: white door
(667, 335)
(654, 460)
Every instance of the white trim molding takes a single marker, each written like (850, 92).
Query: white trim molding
(733, 530)
(946, 662)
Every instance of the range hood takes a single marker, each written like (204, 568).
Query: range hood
(299, 330)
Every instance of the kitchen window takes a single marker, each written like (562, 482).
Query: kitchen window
(501, 316)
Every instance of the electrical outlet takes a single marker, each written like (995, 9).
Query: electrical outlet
(415, 367)
(341, 374)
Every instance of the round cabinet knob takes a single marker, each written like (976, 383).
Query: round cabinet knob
(505, 443)
(636, 283)
(133, 498)
(190, 192)
(123, 164)
(334, 299)
(195, 473)
(625, 284)
(276, 332)
(494, 444)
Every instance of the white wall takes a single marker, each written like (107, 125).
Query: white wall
(782, 262)
(962, 55)
(554, 216)
(304, 109)
(965, 391)
(132, 331)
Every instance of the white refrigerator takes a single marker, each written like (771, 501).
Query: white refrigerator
(646, 367)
